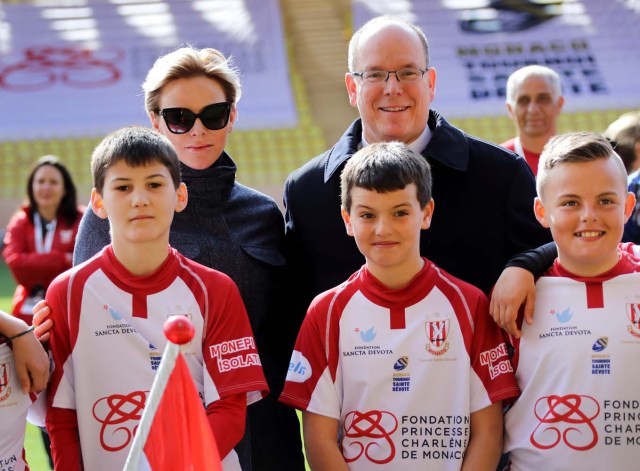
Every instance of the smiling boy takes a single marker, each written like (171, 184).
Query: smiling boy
(575, 363)
(108, 313)
(399, 367)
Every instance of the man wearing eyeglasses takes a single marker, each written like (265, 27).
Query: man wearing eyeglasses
(483, 194)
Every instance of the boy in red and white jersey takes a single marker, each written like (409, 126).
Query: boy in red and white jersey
(24, 370)
(400, 367)
(107, 337)
(575, 362)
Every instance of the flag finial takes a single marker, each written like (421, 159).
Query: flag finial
(178, 329)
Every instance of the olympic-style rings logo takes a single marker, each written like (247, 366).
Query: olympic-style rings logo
(43, 66)
(566, 418)
(375, 425)
(119, 415)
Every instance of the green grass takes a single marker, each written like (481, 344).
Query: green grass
(36, 455)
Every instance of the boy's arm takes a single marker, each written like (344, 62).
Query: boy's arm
(321, 443)
(516, 286)
(62, 422)
(485, 442)
(62, 425)
(31, 361)
(227, 418)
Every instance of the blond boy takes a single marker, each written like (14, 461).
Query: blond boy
(576, 362)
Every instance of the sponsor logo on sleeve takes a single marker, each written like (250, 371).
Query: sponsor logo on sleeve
(230, 355)
(299, 368)
(496, 360)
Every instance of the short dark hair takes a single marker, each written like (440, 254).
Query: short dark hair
(68, 209)
(137, 146)
(385, 167)
(575, 147)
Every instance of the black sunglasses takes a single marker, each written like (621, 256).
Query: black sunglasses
(181, 120)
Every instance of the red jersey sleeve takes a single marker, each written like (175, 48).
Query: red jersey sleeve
(229, 349)
(490, 356)
(61, 419)
(312, 370)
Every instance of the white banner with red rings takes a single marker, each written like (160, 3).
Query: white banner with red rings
(77, 70)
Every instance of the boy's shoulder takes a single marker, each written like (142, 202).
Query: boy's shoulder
(433, 277)
(336, 296)
(202, 271)
(463, 288)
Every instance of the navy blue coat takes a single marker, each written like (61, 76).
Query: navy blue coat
(483, 212)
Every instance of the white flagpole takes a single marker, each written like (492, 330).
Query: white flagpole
(174, 329)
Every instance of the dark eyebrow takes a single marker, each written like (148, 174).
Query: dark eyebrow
(126, 179)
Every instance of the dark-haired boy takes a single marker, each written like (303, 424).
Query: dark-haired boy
(400, 367)
(108, 314)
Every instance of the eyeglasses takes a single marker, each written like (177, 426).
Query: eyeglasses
(181, 120)
(408, 74)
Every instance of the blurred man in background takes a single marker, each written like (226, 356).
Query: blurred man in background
(534, 102)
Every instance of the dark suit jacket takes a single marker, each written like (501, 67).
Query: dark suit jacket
(483, 212)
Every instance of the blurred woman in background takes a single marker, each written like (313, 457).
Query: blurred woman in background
(38, 245)
(39, 241)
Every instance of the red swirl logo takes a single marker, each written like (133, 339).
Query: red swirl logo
(566, 418)
(119, 415)
(374, 427)
(43, 66)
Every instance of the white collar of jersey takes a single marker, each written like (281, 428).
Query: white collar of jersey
(417, 146)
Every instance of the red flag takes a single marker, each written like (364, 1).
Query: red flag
(174, 432)
(180, 437)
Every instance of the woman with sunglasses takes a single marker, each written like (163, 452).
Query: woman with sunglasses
(190, 97)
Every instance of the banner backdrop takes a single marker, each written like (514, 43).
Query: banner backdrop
(476, 44)
(77, 70)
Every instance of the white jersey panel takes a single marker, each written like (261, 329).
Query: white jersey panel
(379, 367)
(111, 337)
(580, 402)
(13, 413)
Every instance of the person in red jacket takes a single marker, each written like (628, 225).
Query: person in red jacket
(39, 241)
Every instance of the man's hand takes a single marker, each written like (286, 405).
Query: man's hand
(41, 321)
(32, 363)
(515, 288)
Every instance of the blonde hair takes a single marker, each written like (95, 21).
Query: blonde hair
(575, 147)
(189, 62)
